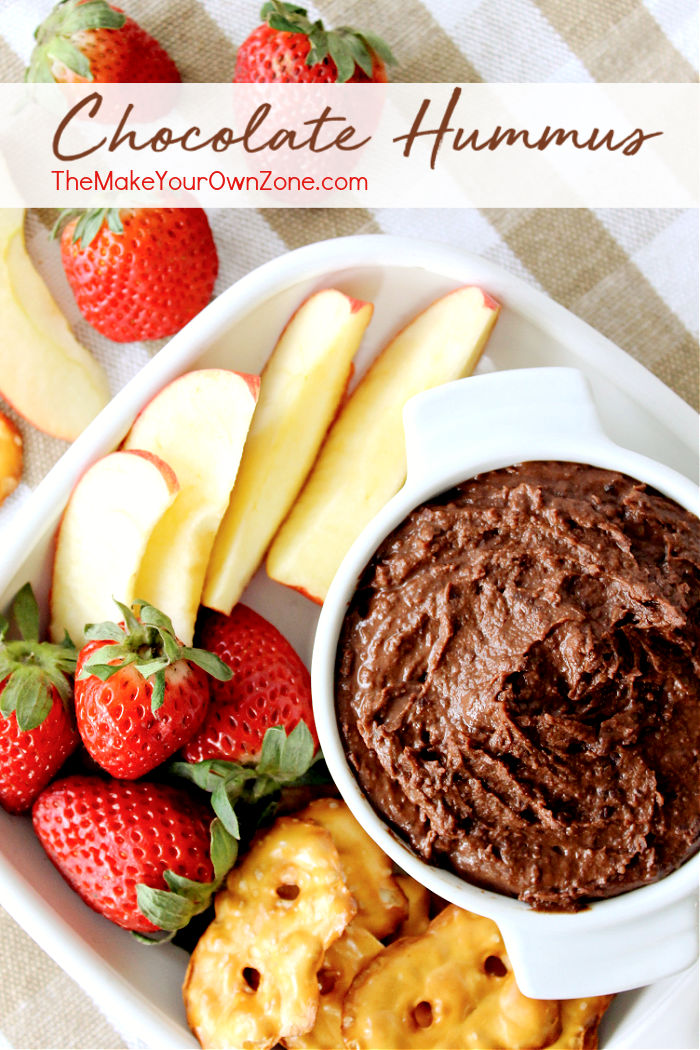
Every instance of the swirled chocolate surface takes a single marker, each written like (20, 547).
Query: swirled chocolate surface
(517, 682)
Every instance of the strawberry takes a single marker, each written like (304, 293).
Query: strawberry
(139, 693)
(290, 49)
(270, 687)
(37, 731)
(91, 40)
(140, 273)
(143, 855)
(288, 763)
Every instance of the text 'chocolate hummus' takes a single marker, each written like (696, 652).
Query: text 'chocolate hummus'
(518, 682)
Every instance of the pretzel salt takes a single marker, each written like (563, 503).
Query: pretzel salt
(381, 905)
(418, 918)
(453, 987)
(353, 950)
(252, 979)
(10, 456)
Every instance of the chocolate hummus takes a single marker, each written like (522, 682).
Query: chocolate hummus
(517, 682)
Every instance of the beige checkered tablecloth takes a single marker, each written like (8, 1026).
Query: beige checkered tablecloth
(633, 274)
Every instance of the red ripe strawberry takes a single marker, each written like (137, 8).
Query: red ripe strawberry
(128, 848)
(290, 49)
(270, 687)
(140, 273)
(37, 731)
(139, 693)
(91, 40)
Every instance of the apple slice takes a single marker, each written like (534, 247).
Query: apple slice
(198, 424)
(10, 456)
(45, 374)
(103, 534)
(300, 389)
(362, 463)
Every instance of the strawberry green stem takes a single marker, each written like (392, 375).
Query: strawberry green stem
(172, 909)
(54, 41)
(285, 761)
(147, 642)
(89, 224)
(31, 670)
(348, 48)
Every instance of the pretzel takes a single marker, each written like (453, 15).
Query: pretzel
(10, 456)
(381, 905)
(453, 987)
(418, 918)
(252, 978)
(344, 960)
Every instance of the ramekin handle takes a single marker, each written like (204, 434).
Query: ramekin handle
(560, 964)
(534, 410)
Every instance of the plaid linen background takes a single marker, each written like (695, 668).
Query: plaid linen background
(631, 274)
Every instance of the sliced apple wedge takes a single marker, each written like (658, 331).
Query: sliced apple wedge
(300, 389)
(45, 373)
(198, 424)
(103, 534)
(362, 463)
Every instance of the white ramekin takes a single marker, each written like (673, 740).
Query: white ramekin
(454, 432)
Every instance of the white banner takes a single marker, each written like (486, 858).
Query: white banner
(350, 145)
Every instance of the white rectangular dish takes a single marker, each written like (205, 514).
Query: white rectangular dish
(140, 986)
